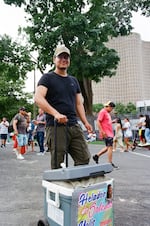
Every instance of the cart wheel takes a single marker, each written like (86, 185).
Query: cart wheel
(43, 223)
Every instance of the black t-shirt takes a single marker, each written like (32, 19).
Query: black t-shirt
(61, 95)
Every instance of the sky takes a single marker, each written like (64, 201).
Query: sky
(12, 17)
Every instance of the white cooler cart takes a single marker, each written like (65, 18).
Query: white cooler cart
(78, 196)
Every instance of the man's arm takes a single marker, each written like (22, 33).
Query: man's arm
(6, 124)
(41, 101)
(15, 121)
(81, 112)
(101, 131)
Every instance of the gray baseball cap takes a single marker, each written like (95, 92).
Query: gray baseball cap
(61, 49)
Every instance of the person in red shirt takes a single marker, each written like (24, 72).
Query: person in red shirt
(104, 123)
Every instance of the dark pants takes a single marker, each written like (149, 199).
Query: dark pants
(75, 145)
(40, 140)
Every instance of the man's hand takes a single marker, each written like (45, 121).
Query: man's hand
(61, 118)
(16, 132)
(103, 134)
(88, 127)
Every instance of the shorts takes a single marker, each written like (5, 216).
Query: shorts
(22, 140)
(4, 136)
(75, 145)
(108, 141)
(30, 136)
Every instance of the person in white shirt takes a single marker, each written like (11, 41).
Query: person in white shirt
(127, 135)
(118, 138)
(4, 131)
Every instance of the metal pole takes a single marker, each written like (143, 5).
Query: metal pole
(34, 106)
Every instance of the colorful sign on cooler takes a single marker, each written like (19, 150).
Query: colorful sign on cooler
(95, 207)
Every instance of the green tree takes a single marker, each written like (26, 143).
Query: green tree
(81, 30)
(130, 108)
(14, 65)
(83, 26)
(120, 108)
(97, 107)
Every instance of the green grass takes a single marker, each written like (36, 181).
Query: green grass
(97, 142)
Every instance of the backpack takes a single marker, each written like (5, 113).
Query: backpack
(10, 127)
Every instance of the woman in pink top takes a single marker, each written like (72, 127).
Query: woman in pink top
(104, 123)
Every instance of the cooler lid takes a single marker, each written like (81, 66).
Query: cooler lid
(77, 172)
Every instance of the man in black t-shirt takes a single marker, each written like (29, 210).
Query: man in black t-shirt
(59, 95)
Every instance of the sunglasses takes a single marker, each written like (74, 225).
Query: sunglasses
(63, 56)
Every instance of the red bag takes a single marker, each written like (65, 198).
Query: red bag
(15, 145)
(15, 141)
(23, 150)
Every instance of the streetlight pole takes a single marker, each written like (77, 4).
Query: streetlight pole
(34, 106)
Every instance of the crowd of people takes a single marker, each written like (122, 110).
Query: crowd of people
(25, 132)
(122, 136)
(144, 130)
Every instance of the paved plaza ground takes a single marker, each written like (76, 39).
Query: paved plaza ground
(22, 196)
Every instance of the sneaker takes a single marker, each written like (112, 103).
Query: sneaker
(15, 151)
(20, 157)
(95, 158)
(48, 150)
(41, 153)
(114, 166)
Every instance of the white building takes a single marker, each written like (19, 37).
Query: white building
(132, 80)
(143, 105)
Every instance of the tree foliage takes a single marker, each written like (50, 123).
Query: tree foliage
(130, 108)
(120, 109)
(85, 26)
(14, 65)
(97, 107)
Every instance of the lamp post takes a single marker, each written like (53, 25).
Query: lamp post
(34, 105)
(34, 61)
(145, 107)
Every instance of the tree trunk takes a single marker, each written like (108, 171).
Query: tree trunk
(86, 89)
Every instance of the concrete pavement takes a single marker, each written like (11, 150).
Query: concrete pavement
(22, 196)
